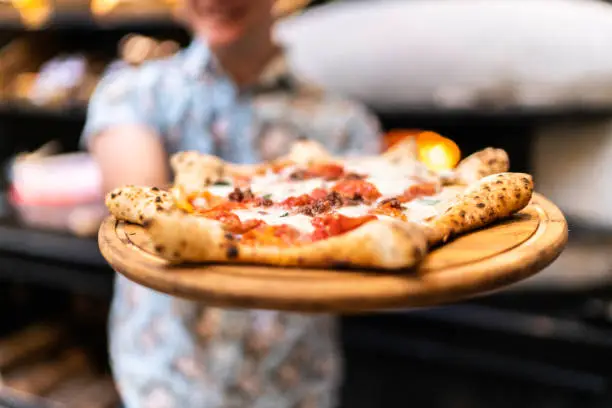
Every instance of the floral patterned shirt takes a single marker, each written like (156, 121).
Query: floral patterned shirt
(167, 352)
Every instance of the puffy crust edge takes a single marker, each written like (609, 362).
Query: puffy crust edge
(491, 199)
(377, 244)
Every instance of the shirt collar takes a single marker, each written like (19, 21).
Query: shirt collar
(199, 62)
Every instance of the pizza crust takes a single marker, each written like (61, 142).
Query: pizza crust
(138, 204)
(481, 164)
(491, 199)
(381, 244)
(193, 170)
(385, 243)
(308, 152)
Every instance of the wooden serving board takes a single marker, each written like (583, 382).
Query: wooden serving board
(471, 265)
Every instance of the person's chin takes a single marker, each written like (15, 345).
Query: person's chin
(219, 37)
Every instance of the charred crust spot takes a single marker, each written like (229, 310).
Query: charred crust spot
(158, 199)
(501, 197)
(340, 264)
(499, 182)
(155, 189)
(176, 254)
(229, 236)
(141, 217)
(517, 195)
(481, 205)
(477, 197)
(483, 219)
(159, 208)
(159, 248)
(462, 213)
(146, 224)
(416, 252)
(232, 252)
(182, 243)
(486, 188)
(113, 195)
(525, 180)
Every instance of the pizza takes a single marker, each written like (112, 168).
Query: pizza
(312, 209)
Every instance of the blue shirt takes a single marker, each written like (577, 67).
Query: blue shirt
(167, 352)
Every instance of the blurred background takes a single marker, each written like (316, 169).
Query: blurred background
(532, 77)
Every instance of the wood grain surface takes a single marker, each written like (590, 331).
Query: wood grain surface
(472, 265)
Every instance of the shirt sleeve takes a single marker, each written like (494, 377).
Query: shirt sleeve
(123, 97)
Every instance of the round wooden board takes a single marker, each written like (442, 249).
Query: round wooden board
(471, 265)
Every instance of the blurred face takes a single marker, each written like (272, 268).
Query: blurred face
(224, 22)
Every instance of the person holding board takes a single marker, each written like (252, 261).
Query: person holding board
(230, 94)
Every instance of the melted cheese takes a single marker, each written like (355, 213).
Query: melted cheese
(354, 211)
(283, 190)
(276, 216)
(390, 187)
(221, 191)
(426, 207)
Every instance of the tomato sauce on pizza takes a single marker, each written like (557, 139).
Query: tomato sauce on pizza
(283, 204)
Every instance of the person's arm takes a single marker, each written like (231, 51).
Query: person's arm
(122, 135)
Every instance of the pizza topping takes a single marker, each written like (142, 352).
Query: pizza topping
(354, 176)
(319, 193)
(239, 195)
(391, 203)
(323, 204)
(331, 225)
(299, 201)
(391, 208)
(262, 202)
(357, 190)
(418, 190)
(203, 199)
(273, 235)
(298, 175)
(327, 171)
(231, 222)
